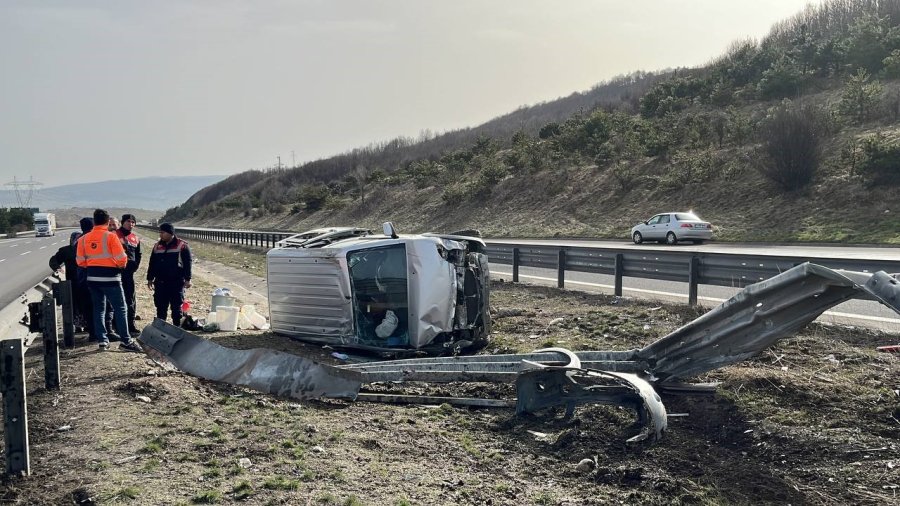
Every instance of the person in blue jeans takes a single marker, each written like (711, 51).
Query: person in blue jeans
(102, 255)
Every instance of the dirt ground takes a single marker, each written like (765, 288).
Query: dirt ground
(813, 420)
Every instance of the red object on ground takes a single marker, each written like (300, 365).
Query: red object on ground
(185, 306)
(889, 349)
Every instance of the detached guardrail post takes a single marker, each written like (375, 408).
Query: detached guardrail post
(619, 273)
(561, 269)
(15, 408)
(693, 280)
(51, 342)
(515, 266)
(63, 293)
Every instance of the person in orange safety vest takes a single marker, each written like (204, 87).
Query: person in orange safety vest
(101, 253)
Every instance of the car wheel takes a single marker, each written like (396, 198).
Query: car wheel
(671, 239)
(637, 238)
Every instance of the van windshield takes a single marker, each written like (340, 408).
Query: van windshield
(378, 280)
(42, 222)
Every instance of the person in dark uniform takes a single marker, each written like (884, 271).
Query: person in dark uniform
(132, 244)
(169, 273)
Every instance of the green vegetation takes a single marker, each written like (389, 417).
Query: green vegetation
(759, 120)
(16, 220)
(207, 497)
(281, 483)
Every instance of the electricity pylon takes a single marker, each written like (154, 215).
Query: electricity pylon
(24, 190)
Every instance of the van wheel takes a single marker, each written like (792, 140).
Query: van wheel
(671, 240)
(637, 238)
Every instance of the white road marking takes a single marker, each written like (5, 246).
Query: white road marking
(42, 247)
(23, 254)
(2, 260)
(14, 245)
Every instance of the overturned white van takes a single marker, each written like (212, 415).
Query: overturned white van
(390, 292)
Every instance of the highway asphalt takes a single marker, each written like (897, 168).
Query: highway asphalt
(855, 312)
(789, 250)
(24, 262)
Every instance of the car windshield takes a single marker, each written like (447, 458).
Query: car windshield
(686, 217)
(379, 283)
(41, 222)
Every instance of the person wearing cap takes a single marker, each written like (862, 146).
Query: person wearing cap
(80, 289)
(132, 244)
(169, 273)
(65, 258)
(102, 255)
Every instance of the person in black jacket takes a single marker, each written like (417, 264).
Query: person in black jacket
(169, 273)
(132, 244)
(81, 298)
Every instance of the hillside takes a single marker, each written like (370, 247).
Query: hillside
(154, 193)
(794, 137)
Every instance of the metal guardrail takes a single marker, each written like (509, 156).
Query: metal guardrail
(239, 237)
(694, 268)
(43, 319)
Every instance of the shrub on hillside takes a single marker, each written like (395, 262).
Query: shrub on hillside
(314, 197)
(860, 97)
(892, 65)
(792, 145)
(783, 79)
(549, 130)
(454, 194)
(879, 161)
(625, 176)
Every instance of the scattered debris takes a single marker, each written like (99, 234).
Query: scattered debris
(244, 463)
(64, 428)
(586, 466)
(507, 312)
(143, 398)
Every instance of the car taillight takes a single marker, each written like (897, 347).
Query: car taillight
(686, 225)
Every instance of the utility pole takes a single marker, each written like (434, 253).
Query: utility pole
(279, 162)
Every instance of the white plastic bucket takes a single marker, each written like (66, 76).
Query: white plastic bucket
(221, 300)
(227, 317)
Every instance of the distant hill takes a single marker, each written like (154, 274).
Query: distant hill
(151, 193)
(794, 137)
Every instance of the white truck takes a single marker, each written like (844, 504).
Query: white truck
(44, 224)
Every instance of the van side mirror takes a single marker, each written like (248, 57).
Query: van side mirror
(389, 230)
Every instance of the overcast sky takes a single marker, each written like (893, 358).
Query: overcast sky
(98, 90)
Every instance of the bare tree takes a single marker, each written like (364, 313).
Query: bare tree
(360, 175)
(792, 144)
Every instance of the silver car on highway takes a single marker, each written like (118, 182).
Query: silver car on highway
(671, 228)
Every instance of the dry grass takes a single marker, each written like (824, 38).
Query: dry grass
(813, 420)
